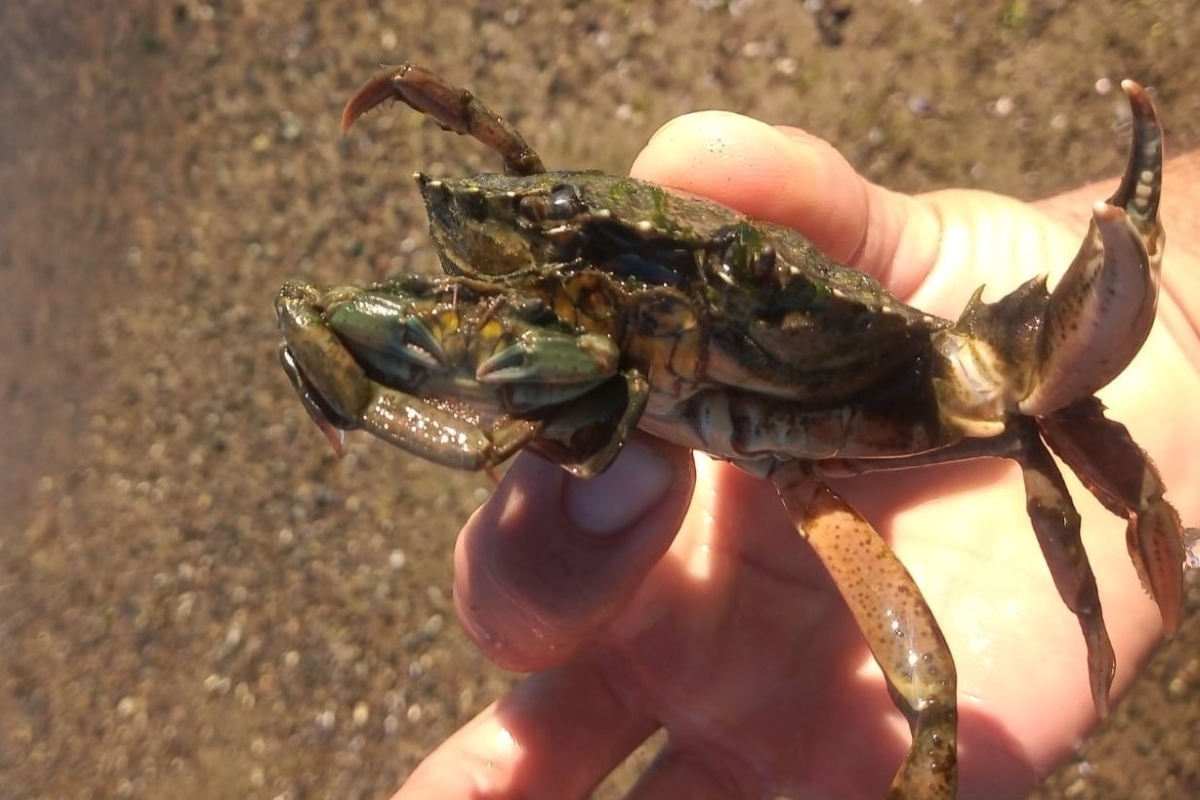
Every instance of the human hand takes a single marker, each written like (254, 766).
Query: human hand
(640, 603)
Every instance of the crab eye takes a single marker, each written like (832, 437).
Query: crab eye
(566, 202)
(563, 202)
(760, 263)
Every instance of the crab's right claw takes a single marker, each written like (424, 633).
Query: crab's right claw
(330, 382)
(1101, 312)
(339, 395)
(553, 358)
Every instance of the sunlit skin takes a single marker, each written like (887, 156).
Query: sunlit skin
(673, 592)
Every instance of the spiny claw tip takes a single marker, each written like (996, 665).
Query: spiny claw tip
(348, 117)
(335, 436)
(1139, 101)
(372, 93)
(1133, 90)
(353, 110)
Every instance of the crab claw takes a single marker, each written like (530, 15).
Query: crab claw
(330, 382)
(543, 368)
(553, 358)
(385, 334)
(318, 412)
(1102, 310)
(412, 84)
(1098, 316)
(451, 107)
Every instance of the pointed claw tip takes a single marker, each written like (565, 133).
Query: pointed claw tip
(336, 439)
(1135, 91)
(1139, 101)
(355, 108)
(372, 93)
(1106, 213)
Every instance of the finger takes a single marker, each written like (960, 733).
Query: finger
(680, 772)
(786, 176)
(555, 735)
(987, 240)
(550, 558)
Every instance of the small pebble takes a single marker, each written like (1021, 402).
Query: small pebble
(919, 106)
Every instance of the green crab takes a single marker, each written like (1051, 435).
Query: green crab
(578, 306)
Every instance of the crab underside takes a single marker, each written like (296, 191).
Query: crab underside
(578, 306)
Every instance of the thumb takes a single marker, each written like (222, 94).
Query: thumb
(549, 559)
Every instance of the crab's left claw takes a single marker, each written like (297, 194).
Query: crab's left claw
(1102, 310)
(1095, 322)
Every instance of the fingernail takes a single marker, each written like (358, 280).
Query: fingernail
(613, 500)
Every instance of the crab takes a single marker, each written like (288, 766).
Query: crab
(577, 307)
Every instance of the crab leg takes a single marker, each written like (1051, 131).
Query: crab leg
(586, 435)
(898, 625)
(439, 435)
(1101, 311)
(1123, 478)
(1055, 522)
(451, 107)
(1056, 525)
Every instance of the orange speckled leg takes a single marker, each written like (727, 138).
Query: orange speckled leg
(898, 625)
(1055, 523)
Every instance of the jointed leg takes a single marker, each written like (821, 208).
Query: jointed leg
(452, 107)
(898, 625)
(1123, 478)
(1055, 523)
